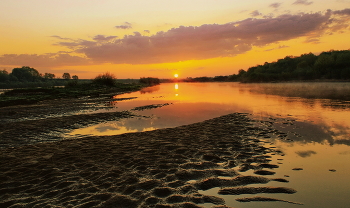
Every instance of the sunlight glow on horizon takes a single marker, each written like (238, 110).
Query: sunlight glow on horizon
(192, 39)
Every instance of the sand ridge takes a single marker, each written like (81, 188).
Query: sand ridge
(160, 168)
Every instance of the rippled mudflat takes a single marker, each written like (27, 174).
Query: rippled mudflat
(313, 116)
(291, 147)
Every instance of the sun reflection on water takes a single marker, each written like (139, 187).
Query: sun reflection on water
(318, 130)
(176, 86)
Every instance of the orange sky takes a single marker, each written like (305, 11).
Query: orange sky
(158, 38)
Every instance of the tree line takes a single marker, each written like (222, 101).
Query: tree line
(334, 65)
(26, 76)
(30, 77)
(149, 81)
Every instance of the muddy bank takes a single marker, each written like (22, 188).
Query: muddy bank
(50, 129)
(48, 120)
(160, 168)
(54, 108)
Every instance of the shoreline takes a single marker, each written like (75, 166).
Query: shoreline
(159, 168)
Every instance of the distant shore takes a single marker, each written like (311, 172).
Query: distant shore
(281, 81)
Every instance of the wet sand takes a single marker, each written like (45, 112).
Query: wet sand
(161, 168)
(48, 120)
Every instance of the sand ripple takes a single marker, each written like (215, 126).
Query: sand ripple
(161, 168)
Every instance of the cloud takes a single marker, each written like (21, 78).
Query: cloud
(315, 40)
(70, 70)
(283, 46)
(307, 153)
(59, 37)
(255, 13)
(342, 12)
(104, 38)
(125, 26)
(205, 41)
(77, 43)
(45, 60)
(303, 2)
(343, 141)
(275, 5)
(279, 47)
(191, 42)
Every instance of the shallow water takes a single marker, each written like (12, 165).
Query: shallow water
(194, 102)
(318, 130)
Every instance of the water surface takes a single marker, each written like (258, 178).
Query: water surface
(315, 116)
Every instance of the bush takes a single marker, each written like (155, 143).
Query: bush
(106, 79)
(72, 83)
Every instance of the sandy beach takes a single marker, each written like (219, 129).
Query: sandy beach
(160, 168)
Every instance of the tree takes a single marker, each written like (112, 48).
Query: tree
(324, 65)
(49, 76)
(149, 81)
(3, 71)
(4, 75)
(220, 78)
(66, 76)
(343, 59)
(324, 61)
(75, 77)
(26, 74)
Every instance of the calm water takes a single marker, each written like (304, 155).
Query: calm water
(318, 126)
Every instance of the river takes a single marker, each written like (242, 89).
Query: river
(315, 117)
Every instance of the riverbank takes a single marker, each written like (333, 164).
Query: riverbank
(160, 168)
(47, 120)
(74, 89)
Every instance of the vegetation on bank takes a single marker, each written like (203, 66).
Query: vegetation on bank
(149, 81)
(331, 65)
(102, 84)
(29, 77)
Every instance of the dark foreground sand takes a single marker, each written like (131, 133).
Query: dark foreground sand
(161, 168)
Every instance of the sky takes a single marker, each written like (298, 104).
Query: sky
(160, 38)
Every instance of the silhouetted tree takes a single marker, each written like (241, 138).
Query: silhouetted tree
(26, 74)
(66, 76)
(343, 60)
(220, 78)
(4, 76)
(75, 77)
(149, 80)
(49, 76)
(202, 79)
(328, 65)
(324, 62)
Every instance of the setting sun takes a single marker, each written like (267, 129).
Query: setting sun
(207, 39)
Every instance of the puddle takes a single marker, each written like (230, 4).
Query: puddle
(113, 128)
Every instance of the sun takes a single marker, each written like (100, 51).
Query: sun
(176, 75)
